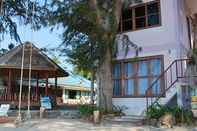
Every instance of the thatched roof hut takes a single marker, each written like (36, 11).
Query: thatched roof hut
(42, 65)
(42, 68)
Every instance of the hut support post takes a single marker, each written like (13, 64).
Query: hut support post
(37, 87)
(55, 88)
(9, 85)
(46, 87)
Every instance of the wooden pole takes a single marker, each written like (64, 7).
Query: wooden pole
(55, 88)
(9, 84)
(37, 88)
(6, 87)
(46, 87)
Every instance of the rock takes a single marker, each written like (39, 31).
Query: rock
(167, 120)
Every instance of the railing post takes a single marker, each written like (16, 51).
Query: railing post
(171, 74)
(181, 68)
(146, 94)
(176, 69)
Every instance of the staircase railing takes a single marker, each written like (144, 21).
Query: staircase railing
(167, 79)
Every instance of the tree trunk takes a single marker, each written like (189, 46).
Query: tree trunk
(194, 24)
(105, 83)
(92, 86)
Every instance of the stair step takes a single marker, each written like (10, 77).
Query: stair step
(130, 119)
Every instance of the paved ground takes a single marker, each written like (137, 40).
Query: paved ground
(78, 125)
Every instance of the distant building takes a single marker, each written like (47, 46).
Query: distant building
(72, 90)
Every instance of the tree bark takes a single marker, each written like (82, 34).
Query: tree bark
(105, 83)
(194, 24)
(104, 75)
(92, 86)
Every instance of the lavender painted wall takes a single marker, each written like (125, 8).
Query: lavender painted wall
(170, 39)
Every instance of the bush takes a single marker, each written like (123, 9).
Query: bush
(87, 110)
(155, 111)
(181, 115)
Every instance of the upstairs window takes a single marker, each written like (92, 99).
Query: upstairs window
(127, 22)
(140, 17)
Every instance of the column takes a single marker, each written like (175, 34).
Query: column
(55, 89)
(37, 89)
(9, 85)
(46, 86)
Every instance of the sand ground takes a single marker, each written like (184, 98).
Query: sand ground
(79, 125)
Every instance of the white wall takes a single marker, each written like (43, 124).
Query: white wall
(164, 37)
(183, 38)
(169, 40)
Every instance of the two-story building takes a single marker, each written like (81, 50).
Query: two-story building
(163, 29)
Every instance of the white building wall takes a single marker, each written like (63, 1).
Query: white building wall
(170, 39)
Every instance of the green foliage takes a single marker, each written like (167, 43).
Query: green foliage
(155, 111)
(87, 110)
(86, 37)
(181, 115)
(56, 59)
(193, 56)
(3, 51)
(15, 12)
(85, 73)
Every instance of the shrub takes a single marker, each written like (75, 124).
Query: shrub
(181, 115)
(155, 111)
(87, 110)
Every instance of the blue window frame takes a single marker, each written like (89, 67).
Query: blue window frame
(132, 78)
(116, 75)
(142, 86)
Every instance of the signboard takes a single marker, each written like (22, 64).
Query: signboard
(45, 102)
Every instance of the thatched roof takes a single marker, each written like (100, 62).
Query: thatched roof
(40, 61)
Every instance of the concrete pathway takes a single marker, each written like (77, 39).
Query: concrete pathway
(78, 125)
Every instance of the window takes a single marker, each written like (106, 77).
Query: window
(140, 17)
(116, 80)
(127, 22)
(72, 94)
(129, 83)
(132, 78)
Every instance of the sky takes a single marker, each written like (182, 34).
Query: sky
(43, 38)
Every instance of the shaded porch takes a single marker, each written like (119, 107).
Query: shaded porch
(43, 68)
